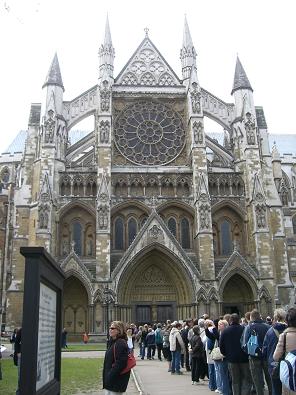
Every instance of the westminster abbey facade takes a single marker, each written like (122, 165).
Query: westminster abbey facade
(149, 216)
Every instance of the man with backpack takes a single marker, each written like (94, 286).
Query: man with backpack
(252, 343)
(159, 340)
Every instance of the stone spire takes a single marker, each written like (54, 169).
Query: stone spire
(241, 80)
(106, 54)
(54, 76)
(187, 53)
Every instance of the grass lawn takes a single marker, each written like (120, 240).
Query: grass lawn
(78, 375)
(85, 347)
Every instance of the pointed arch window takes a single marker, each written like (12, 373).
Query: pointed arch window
(185, 233)
(77, 237)
(172, 225)
(226, 240)
(132, 230)
(119, 234)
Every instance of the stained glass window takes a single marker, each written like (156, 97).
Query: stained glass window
(185, 233)
(118, 234)
(77, 237)
(132, 230)
(149, 133)
(226, 238)
(172, 226)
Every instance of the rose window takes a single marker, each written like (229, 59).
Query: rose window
(149, 133)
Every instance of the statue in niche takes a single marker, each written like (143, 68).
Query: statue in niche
(261, 216)
(43, 216)
(198, 133)
(104, 132)
(49, 127)
(65, 247)
(105, 97)
(195, 99)
(204, 216)
(103, 217)
(250, 129)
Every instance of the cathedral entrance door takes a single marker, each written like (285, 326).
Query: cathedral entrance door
(165, 312)
(143, 314)
(156, 289)
(237, 296)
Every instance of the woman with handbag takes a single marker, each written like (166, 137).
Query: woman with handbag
(287, 342)
(115, 382)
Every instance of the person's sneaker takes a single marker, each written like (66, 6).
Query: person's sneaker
(169, 370)
(172, 372)
(218, 392)
(178, 372)
(193, 382)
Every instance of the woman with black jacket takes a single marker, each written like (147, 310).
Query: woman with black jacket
(115, 361)
(197, 355)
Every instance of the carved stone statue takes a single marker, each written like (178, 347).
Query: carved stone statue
(104, 132)
(204, 216)
(250, 129)
(198, 132)
(103, 217)
(49, 127)
(105, 97)
(195, 99)
(260, 216)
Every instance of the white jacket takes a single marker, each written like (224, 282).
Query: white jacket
(175, 334)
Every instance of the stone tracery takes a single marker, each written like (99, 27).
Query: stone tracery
(149, 133)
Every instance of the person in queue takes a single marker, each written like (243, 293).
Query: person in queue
(115, 361)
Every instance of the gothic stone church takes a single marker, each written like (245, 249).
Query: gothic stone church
(148, 215)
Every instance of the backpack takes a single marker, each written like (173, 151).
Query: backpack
(253, 344)
(158, 337)
(288, 368)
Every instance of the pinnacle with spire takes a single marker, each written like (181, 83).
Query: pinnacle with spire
(187, 53)
(106, 53)
(241, 80)
(54, 76)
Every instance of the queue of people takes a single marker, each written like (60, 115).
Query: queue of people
(217, 352)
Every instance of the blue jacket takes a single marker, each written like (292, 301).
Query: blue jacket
(150, 339)
(260, 327)
(270, 342)
(230, 345)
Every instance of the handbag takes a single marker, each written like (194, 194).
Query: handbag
(131, 362)
(216, 353)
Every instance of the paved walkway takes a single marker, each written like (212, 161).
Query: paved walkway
(151, 378)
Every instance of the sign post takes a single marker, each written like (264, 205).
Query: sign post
(42, 321)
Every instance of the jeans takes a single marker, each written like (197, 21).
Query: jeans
(276, 386)
(224, 376)
(218, 376)
(176, 361)
(212, 377)
(257, 368)
(151, 351)
(143, 351)
(241, 378)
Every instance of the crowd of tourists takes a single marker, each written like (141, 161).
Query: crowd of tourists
(230, 355)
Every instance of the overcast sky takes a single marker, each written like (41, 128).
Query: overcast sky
(261, 32)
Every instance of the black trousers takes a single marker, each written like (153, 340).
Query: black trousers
(196, 368)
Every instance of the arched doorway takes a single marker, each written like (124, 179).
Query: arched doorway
(237, 296)
(75, 314)
(155, 288)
